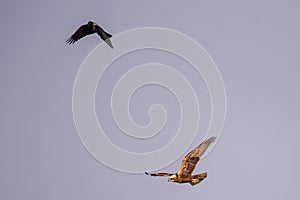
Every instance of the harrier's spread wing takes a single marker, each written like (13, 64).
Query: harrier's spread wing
(190, 161)
(81, 32)
(159, 174)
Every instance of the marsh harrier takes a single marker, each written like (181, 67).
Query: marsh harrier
(189, 162)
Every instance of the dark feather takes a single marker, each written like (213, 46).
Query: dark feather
(87, 29)
(104, 35)
(81, 32)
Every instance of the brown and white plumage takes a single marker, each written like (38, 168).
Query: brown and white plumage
(159, 174)
(88, 29)
(189, 162)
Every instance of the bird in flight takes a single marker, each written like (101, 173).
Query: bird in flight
(87, 29)
(189, 162)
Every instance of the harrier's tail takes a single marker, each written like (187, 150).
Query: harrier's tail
(198, 178)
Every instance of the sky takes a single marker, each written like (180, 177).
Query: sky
(255, 45)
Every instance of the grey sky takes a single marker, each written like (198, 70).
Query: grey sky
(255, 46)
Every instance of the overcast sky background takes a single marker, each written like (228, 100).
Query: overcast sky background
(255, 45)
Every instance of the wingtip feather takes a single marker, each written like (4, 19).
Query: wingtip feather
(70, 41)
(212, 139)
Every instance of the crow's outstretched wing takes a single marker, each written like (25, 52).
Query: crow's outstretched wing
(81, 32)
(104, 35)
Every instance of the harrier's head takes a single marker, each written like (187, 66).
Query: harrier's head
(173, 178)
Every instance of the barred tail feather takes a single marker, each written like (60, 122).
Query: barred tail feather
(198, 178)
